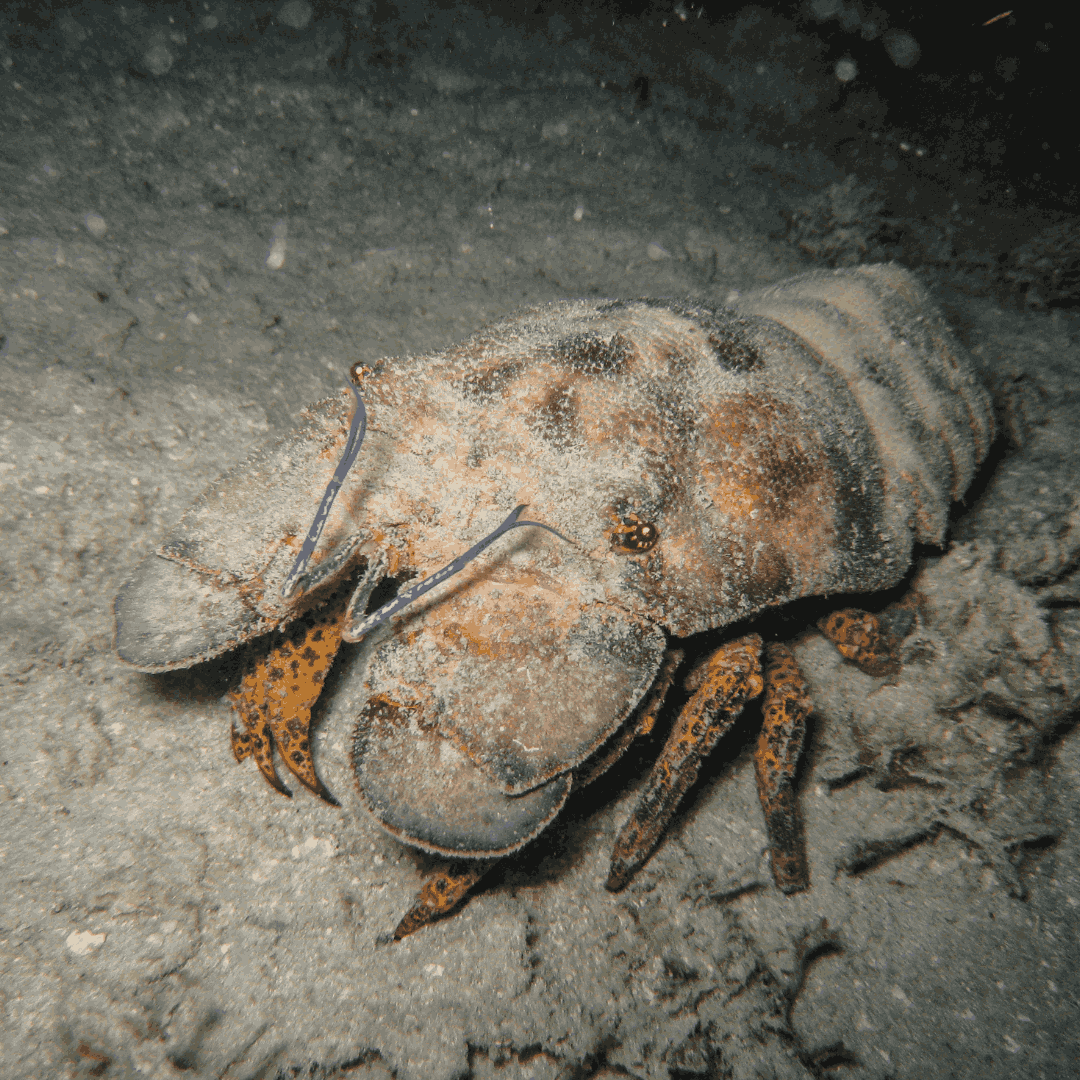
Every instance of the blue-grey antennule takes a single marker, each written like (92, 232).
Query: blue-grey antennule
(293, 582)
(404, 599)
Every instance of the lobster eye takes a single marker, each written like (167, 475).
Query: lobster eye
(359, 371)
(633, 536)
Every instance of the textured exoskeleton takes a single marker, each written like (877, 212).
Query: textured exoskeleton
(703, 463)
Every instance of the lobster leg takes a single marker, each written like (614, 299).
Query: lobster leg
(864, 639)
(443, 889)
(783, 730)
(445, 886)
(277, 695)
(731, 677)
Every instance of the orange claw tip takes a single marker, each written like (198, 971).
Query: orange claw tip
(443, 889)
(790, 871)
(411, 922)
(324, 793)
(627, 856)
(619, 875)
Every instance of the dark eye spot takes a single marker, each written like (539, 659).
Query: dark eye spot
(634, 536)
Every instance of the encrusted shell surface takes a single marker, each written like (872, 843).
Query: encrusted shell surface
(704, 463)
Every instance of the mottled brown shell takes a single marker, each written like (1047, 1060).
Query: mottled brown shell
(704, 462)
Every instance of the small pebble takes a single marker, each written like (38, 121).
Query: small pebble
(295, 13)
(846, 69)
(95, 225)
(276, 259)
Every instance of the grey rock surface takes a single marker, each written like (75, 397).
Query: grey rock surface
(163, 912)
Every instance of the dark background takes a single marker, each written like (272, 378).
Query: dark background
(991, 108)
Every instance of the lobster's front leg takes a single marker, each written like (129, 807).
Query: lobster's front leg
(278, 692)
(444, 888)
(450, 881)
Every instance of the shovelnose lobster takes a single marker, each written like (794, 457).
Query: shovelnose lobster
(689, 466)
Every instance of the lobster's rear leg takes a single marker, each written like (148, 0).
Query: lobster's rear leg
(864, 639)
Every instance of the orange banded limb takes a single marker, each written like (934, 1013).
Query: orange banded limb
(443, 889)
(278, 692)
(783, 731)
(732, 675)
(862, 638)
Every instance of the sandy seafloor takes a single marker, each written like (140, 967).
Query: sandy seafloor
(164, 913)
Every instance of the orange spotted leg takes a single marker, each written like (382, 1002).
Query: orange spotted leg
(864, 639)
(443, 889)
(785, 709)
(732, 676)
(277, 695)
